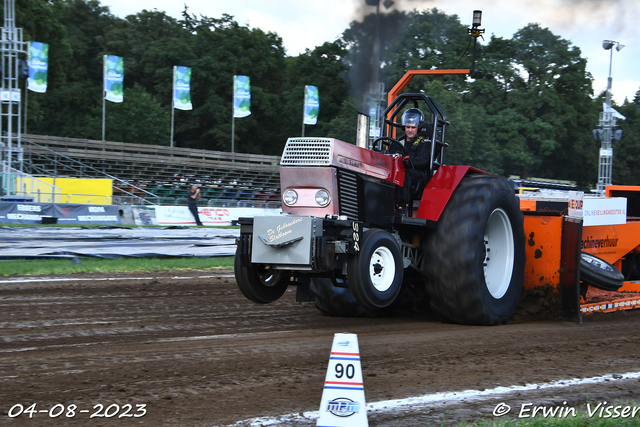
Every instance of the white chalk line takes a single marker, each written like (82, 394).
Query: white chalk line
(223, 336)
(448, 397)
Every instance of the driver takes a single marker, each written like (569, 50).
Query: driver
(418, 149)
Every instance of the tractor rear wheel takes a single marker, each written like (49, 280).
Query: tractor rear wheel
(375, 273)
(259, 283)
(475, 259)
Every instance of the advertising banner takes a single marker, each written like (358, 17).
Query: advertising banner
(180, 215)
(241, 96)
(113, 78)
(311, 105)
(182, 88)
(604, 210)
(38, 67)
(63, 213)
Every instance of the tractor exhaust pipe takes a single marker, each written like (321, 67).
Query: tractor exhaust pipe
(362, 137)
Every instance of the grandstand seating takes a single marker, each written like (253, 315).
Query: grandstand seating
(152, 174)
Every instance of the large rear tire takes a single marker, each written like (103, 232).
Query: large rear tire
(475, 258)
(375, 274)
(258, 283)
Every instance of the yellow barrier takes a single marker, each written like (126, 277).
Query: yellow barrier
(67, 190)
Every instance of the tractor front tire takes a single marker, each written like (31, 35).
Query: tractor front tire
(375, 273)
(259, 283)
(475, 258)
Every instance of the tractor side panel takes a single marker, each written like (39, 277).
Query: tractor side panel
(438, 191)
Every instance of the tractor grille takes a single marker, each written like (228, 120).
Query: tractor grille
(307, 152)
(348, 194)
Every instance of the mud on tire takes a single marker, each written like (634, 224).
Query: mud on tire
(475, 259)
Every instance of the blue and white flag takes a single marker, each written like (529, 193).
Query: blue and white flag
(38, 67)
(241, 96)
(182, 88)
(311, 105)
(113, 78)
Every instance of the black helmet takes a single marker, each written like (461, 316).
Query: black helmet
(412, 117)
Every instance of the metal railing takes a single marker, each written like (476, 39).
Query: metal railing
(181, 201)
(20, 184)
(146, 199)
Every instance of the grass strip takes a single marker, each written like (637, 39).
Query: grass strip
(100, 265)
(597, 414)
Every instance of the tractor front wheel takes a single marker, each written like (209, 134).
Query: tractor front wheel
(375, 274)
(259, 283)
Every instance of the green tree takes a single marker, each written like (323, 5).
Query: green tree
(626, 151)
(140, 118)
(40, 21)
(72, 103)
(431, 39)
(344, 125)
(224, 49)
(539, 105)
(322, 67)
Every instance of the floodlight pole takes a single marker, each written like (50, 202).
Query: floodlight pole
(607, 122)
(475, 31)
(12, 48)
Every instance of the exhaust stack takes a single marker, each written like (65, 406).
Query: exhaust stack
(362, 137)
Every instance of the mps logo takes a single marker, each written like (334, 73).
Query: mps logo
(343, 407)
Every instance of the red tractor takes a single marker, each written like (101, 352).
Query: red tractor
(340, 235)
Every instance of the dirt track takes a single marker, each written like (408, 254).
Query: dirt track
(197, 353)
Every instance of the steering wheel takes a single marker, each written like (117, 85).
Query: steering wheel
(391, 142)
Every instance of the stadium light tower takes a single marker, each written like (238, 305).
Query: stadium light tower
(608, 122)
(12, 50)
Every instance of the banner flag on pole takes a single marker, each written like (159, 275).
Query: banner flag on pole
(182, 88)
(241, 96)
(38, 67)
(311, 105)
(113, 78)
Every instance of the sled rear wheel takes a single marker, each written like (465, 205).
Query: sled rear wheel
(599, 273)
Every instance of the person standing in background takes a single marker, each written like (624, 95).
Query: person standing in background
(192, 201)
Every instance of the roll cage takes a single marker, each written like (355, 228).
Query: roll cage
(433, 129)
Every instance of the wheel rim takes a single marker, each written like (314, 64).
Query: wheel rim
(498, 253)
(268, 276)
(382, 269)
(596, 262)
